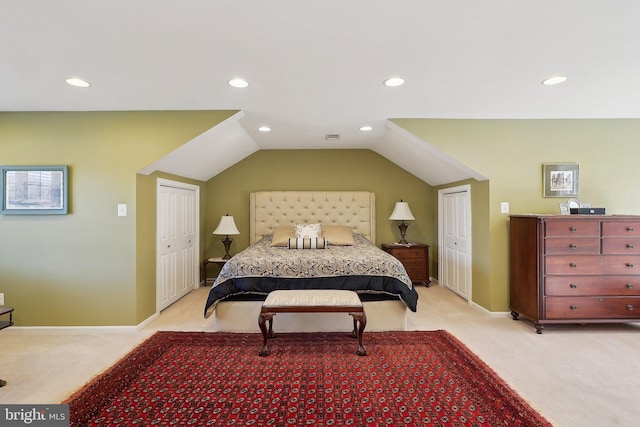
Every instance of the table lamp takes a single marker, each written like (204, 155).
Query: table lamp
(226, 227)
(401, 212)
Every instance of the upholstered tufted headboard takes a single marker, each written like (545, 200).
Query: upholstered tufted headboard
(268, 209)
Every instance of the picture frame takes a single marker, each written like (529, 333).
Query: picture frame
(34, 190)
(564, 208)
(560, 179)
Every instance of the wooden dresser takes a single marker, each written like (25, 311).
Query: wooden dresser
(574, 268)
(414, 257)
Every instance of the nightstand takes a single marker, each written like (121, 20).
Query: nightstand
(219, 261)
(6, 310)
(414, 257)
(5, 324)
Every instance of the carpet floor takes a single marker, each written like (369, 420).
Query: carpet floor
(417, 378)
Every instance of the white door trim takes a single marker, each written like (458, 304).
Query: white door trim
(162, 182)
(466, 188)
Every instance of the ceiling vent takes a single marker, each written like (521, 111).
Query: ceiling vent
(332, 137)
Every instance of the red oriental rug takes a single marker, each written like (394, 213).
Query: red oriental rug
(195, 378)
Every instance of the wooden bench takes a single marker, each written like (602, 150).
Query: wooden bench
(5, 324)
(312, 301)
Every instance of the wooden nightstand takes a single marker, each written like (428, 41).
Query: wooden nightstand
(5, 324)
(6, 310)
(414, 257)
(219, 261)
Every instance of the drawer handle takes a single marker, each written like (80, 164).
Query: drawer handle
(572, 246)
(573, 265)
(629, 265)
(629, 245)
(573, 307)
(574, 229)
(629, 228)
(573, 286)
(629, 286)
(630, 307)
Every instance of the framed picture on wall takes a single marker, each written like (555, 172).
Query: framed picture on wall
(34, 190)
(560, 179)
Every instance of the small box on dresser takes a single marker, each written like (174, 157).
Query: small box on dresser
(574, 268)
(414, 257)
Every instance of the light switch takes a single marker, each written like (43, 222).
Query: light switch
(504, 207)
(122, 209)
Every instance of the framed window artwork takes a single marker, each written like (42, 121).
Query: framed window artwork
(560, 179)
(34, 190)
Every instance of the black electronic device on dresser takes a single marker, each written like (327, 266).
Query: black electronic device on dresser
(574, 268)
(587, 211)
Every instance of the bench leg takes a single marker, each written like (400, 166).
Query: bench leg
(361, 318)
(262, 319)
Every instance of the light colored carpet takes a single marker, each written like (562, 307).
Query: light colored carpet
(573, 375)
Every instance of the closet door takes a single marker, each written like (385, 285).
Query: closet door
(177, 259)
(455, 240)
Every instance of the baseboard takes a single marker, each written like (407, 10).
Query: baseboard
(81, 329)
(496, 314)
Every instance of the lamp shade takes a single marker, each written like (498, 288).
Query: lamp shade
(226, 226)
(401, 212)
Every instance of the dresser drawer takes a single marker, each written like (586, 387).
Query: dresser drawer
(592, 264)
(408, 253)
(415, 264)
(620, 246)
(567, 245)
(592, 307)
(417, 275)
(572, 228)
(621, 229)
(592, 285)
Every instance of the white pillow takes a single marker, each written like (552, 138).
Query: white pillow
(312, 231)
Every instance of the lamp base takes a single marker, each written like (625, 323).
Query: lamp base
(227, 246)
(403, 231)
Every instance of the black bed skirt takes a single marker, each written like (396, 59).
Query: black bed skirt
(363, 297)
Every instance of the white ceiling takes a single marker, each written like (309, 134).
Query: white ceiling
(316, 66)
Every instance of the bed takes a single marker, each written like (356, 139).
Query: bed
(346, 258)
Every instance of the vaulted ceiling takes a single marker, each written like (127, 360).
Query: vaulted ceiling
(316, 67)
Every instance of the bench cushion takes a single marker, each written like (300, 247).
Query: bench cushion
(312, 298)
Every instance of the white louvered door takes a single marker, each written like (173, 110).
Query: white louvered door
(177, 254)
(455, 240)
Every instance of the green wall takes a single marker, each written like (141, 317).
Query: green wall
(90, 267)
(267, 170)
(93, 268)
(510, 153)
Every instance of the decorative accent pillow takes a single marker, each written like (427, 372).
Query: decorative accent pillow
(339, 235)
(282, 234)
(308, 230)
(307, 243)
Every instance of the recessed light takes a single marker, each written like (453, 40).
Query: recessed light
(366, 128)
(264, 129)
(394, 81)
(240, 83)
(554, 80)
(74, 81)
